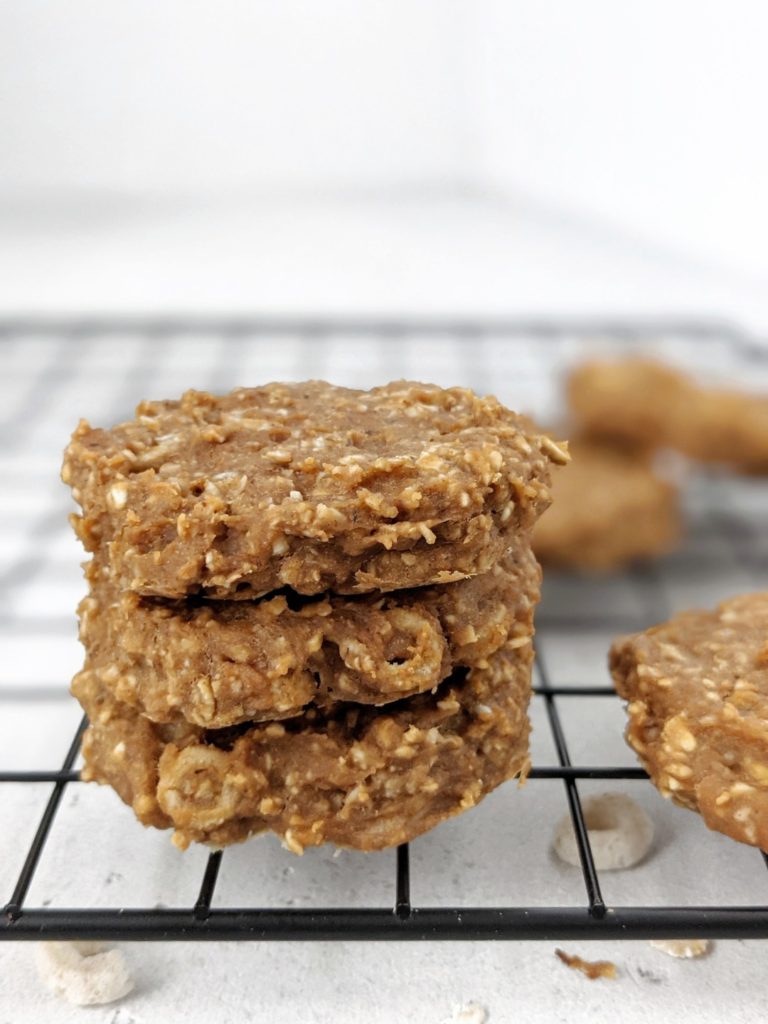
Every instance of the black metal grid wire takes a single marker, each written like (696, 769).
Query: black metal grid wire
(401, 920)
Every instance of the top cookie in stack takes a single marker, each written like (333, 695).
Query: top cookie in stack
(309, 486)
(310, 608)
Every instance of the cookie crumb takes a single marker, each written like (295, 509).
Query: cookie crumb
(682, 949)
(470, 1013)
(591, 969)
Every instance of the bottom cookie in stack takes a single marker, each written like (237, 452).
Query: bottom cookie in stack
(359, 777)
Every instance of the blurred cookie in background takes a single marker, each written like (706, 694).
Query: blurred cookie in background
(649, 404)
(610, 507)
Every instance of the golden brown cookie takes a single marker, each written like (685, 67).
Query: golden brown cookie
(697, 688)
(309, 486)
(609, 508)
(645, 403)
(219, 663)
(729, 427)
(633, 401)
(358, 777)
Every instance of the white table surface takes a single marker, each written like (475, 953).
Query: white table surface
(446, 255)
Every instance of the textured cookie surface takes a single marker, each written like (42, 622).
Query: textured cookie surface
(358, 777)
(609, 508)
(219, 663)
(309, 486)
(697, 688)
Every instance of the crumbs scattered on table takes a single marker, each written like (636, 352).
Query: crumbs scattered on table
(592, 969)
(469, 1013)
(683, 949)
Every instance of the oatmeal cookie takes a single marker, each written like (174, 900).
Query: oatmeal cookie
(728, 427)
(645, 403)
(354, 776)
(609, 509)
(697, 688)
(309, 486)
(634, 401)
(219, 663)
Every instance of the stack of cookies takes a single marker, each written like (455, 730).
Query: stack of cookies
(310, 608)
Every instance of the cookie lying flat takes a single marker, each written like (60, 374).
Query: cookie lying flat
(220, 663)
(609, 509)
(698, 712)
(729, 427)
(359, 777)
(309, 486)
(634, 401)
(651, 405)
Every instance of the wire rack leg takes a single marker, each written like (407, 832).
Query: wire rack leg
(16, 902)
(596, 903)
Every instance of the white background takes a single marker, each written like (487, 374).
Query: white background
(275, 155)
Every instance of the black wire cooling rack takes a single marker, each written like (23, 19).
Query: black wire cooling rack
(591, 918)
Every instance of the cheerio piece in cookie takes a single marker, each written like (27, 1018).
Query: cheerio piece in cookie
(309, 486)
(609, 508)
(219, 663)
(359, 777)
(697, 688)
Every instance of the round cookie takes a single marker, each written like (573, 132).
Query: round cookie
(728, 427)
(309, 486)
(219, 663)
(633, 401)
(697, 688)
(358, 777)
(646, 404)
(609, 508)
